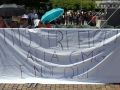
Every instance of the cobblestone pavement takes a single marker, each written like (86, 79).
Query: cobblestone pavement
(59, 87)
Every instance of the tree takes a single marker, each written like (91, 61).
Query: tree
(89, 5)
(48, 4)
(74, 4)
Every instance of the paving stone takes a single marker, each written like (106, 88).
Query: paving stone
(34, 89)
(79, 87)
(103, 86)
(117, 88)
(61, 85)
(11, 85)
(89, 88)
(66, 87)
(7, 85)
(117, 85)
(16, 84)
(60, 89)
(93, 88)
(5, 89)
(12, 89)
(108, 87)
(19, 89)
(75, 89)
(47, 88)
(24, 89)
(75, 85)
(29, 88)
(1, 88)
(98, 89)
(15, 87)
(38, 86)
(112, 85)
(48, 85)
(103, 89)
(38, 89)
(97, 86)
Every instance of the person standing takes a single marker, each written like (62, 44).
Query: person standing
(38, 24)
(24, 20)
(3, 23)
(14, 23)
(94, 19)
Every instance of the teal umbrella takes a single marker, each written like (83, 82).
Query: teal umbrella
(52, 15)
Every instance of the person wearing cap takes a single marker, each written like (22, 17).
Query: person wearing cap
(14, 23)
(38, 24)
(24, 20)
(3, 23)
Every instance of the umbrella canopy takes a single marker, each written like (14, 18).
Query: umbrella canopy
(52, 14)
(7, 10)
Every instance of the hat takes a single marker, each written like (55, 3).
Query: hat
(24, 16)
(13, 19)
(36, 22)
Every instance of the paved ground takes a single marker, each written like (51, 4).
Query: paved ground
(59, 87)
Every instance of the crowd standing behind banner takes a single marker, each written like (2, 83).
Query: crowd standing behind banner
(31, 19)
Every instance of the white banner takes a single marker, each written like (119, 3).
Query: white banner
(59, 56)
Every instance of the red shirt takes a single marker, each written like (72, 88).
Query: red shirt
(49, 26)
(94, 19)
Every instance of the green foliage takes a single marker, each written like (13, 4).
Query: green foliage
(48, 4)
(89, 5)
(74, 4)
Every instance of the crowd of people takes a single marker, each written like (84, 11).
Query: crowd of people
(32, 19)
(82, 17)
(24, 23)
